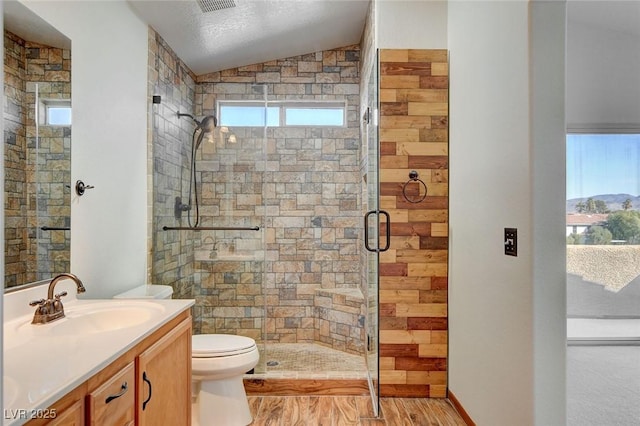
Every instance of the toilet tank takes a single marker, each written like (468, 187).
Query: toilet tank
(147, 291)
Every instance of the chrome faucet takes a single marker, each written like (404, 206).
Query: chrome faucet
(51, 309)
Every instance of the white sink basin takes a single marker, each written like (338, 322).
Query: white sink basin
(9, 390)
(83, 319)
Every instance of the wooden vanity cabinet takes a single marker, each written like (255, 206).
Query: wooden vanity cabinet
(71, 416)
(163, 359)
(114, 403)
(164, 380)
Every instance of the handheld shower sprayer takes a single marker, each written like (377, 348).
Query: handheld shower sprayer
(206, 125)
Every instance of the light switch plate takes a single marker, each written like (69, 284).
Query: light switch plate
(510, 241)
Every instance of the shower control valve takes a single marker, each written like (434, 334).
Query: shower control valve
(178, 208)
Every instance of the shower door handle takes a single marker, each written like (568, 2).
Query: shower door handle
(366, 231)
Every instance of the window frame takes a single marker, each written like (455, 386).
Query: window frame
(282, 111)
(46, 104)
(594, 130)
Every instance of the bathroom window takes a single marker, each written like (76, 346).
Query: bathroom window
(248, 115)
(603, 275)
(603, 225)
(281, 114)
(58, 116)
(55, 112)
(314, 116)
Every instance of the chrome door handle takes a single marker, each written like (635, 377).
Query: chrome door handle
(388, 233)
(366, 231)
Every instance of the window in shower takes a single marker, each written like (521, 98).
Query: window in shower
(281, 114)
(248, 114)
(312, 115)
(55, 112)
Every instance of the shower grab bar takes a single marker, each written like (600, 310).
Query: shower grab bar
(211, 228)
(55, 228)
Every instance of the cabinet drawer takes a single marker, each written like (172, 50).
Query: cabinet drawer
(113, 403)
(72, 416)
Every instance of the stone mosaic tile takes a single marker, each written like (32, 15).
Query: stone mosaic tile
(35, 197)
(307, 361)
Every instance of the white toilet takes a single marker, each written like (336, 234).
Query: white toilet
(218, 362)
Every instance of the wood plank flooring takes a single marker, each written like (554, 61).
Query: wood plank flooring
(350, 410)
(300, 387)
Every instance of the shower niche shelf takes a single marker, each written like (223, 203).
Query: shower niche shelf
(240, 256)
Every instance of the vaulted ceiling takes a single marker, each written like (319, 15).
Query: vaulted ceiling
(255, 31)
(252, 31)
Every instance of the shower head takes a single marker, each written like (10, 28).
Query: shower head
(208, 123)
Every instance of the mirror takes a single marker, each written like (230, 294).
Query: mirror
(37, 141)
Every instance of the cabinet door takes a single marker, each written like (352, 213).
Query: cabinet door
(114, 402)
(72, 416)
(164, 379)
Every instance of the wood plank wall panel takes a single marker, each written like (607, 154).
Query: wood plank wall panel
(414, 135)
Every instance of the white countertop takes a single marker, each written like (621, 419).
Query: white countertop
(42, 363)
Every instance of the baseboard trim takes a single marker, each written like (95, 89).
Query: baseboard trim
(460, 409)
(287, 387)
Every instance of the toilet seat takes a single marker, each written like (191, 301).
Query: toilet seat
(220, 345)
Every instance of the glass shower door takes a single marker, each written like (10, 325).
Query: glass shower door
(372, 233)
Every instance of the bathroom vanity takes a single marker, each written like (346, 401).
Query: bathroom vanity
(108, 362)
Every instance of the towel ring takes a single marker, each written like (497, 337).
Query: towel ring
(413, 177)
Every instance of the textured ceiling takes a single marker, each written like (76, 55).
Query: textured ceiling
(23, 22)
(254, 31)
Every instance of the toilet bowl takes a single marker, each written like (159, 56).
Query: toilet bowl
(218, 362)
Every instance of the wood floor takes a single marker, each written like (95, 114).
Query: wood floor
(350, 410)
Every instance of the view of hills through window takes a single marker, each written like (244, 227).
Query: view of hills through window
(603, 189)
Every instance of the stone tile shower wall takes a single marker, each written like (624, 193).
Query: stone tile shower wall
(37, 171)
(171, 253)
(230, 264)
(15, 163)
(309, 199)
(299, 184)
(180, 258)
(414, 87)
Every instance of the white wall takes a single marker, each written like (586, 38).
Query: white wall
(495, 306)
(109, 98)
(603, 69)
(410, 24)
(548, 159)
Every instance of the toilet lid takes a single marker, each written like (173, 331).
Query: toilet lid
(216, 345)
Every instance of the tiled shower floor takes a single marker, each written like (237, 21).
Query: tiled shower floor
(307, 361)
